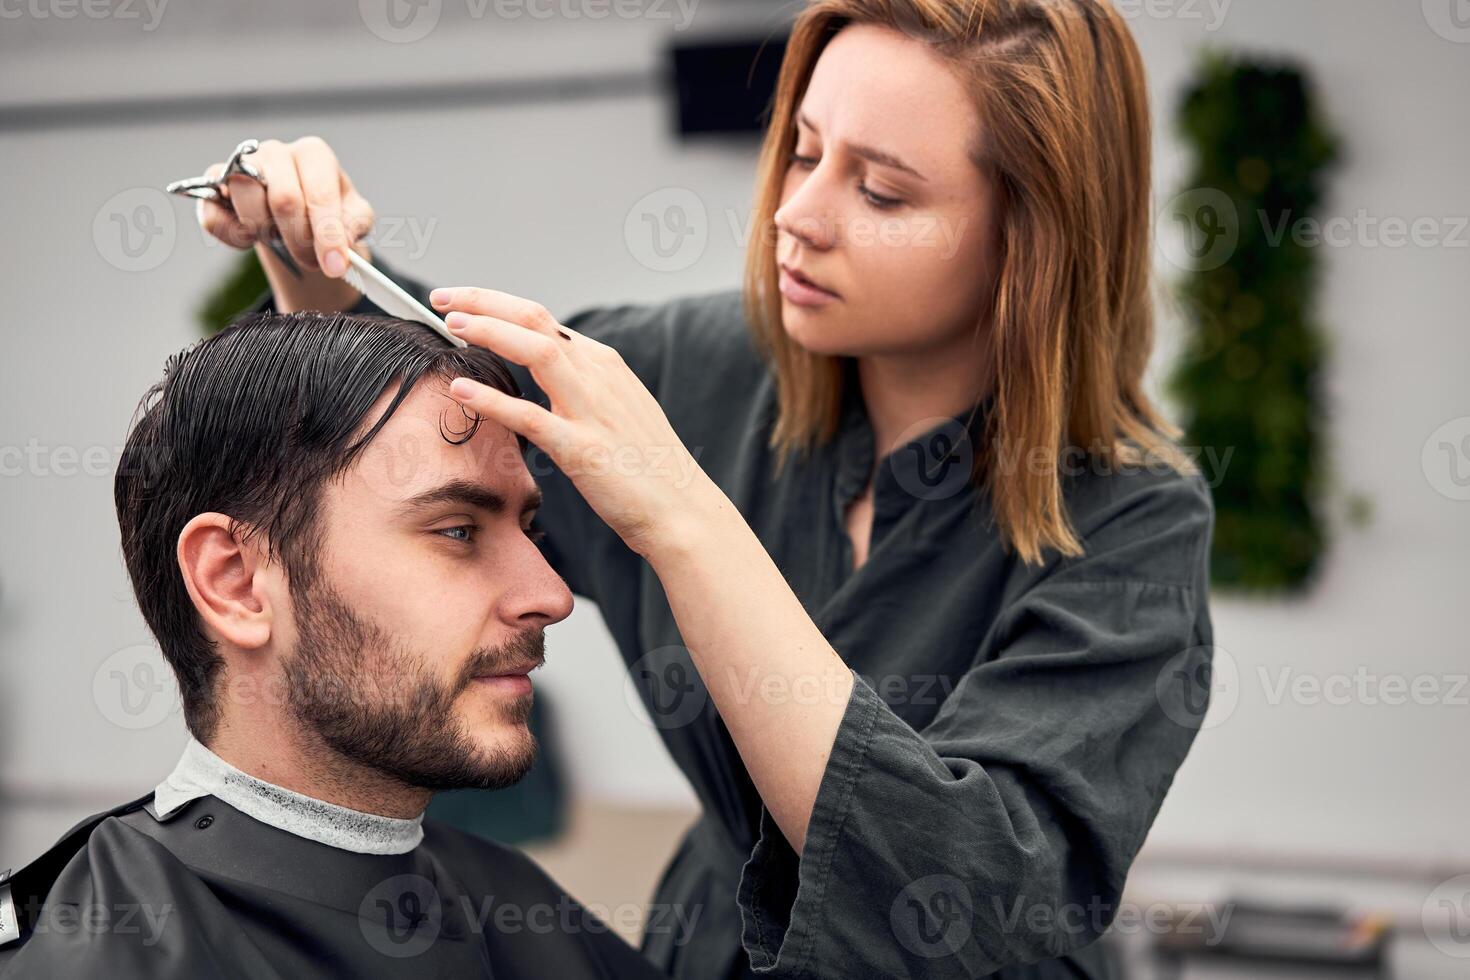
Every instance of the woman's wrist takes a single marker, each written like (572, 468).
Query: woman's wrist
(315, 290)
(701, 524)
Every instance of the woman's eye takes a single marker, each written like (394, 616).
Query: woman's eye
(460, 532)
(802, 161)
(878, 200)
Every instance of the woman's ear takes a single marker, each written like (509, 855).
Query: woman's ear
(220, 572)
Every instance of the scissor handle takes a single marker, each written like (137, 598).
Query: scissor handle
(212, 189)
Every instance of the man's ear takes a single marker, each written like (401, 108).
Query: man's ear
(222, 572)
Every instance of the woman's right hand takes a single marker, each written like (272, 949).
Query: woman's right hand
(310, 203)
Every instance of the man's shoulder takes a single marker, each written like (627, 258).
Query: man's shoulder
(89, 902)
(47, 867)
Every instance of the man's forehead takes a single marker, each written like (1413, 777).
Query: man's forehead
(423, 445)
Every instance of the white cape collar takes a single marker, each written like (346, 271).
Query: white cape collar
(202, 773)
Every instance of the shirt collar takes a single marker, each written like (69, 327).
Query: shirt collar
(936, 463)
(202, 773)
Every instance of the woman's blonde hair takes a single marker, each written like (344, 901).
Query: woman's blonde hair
(1059, 88)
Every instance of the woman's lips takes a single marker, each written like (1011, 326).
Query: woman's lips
(803, 292)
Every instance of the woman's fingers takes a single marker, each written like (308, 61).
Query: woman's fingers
(545, 356)
(519, 415)
(220, 221)
(503, 306)
(320, 176)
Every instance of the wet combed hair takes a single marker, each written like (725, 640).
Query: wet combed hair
(251, 423)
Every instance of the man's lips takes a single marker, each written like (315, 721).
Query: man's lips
(513, 681)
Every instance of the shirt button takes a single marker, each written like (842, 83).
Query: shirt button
(204, 822)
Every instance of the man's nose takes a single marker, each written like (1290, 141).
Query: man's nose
(539, 597)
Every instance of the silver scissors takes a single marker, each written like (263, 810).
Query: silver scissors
(214, 189)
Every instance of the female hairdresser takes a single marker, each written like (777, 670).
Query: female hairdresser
(926, 626)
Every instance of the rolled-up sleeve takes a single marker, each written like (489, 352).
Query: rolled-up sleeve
(1002, 832)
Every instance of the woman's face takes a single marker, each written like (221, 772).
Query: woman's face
(882, 204)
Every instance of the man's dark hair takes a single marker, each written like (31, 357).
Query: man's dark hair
(251, 423)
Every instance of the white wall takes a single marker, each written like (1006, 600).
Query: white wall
(1313, 774)
(534, 200)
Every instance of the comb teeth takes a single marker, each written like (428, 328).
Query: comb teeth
(353, 278)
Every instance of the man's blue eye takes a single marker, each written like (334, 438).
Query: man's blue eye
(467, 530)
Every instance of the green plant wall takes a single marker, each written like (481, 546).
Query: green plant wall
(1250, 377)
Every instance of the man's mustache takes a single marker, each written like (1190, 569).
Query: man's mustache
(522, 653)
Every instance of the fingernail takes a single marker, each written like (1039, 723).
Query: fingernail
(462, 388)
(440, 297)
(457, 320)
(335, 264)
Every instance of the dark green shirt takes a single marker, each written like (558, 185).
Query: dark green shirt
(1013, 730)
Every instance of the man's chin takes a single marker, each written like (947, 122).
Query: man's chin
(503, 752)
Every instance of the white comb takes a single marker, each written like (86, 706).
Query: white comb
(391, 298)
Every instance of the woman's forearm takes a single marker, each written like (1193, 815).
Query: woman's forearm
(779, 686)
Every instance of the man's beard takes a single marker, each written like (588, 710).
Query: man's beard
(376, 704)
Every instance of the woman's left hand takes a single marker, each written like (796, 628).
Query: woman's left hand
(604, 429)
(736, 613)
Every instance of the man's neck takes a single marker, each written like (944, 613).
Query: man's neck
(305, 765)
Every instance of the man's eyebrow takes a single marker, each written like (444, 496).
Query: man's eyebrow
(868, 152)
(473, 495)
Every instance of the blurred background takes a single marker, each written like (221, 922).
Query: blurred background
(1314, 262)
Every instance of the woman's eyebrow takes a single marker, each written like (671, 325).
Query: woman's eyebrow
(471, 494)
(868, 152)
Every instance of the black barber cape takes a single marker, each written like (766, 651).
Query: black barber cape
(211, 892)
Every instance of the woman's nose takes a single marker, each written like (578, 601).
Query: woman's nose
(808, 214)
